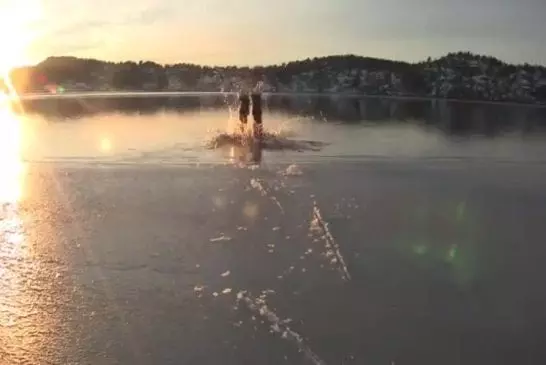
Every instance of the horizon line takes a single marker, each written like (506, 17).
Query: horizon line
(279, 63)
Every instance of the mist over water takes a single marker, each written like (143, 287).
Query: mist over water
(192, 128)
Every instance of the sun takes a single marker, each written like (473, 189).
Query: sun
(17, 32)
(16, 35)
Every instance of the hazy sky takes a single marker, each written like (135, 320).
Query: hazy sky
(271, 31)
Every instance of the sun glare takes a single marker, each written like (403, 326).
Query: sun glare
(17, 32)
(16, 35)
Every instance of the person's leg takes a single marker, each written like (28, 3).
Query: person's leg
(257, 112)
(244, 109)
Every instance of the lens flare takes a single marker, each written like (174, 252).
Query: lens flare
(105, 144)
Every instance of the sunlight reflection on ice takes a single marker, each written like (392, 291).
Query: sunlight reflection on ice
(11, 166)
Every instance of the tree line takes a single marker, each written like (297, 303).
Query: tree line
(415, 77)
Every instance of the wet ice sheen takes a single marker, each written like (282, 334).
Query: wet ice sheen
(269, 141)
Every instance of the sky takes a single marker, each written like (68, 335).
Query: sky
(251, 32)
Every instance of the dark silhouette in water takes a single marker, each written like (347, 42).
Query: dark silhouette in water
(254, 143)
(244, 111)
(257, 108)
(244, 108)
(257, 114)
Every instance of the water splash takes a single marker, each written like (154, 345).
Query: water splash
(220, 239)
(274, 141)
(257, 184)
(259, 306)
(319, 225)
(265, 191)
(292, 170)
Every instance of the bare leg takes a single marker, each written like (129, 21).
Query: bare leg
(257, 113)
(244, 109)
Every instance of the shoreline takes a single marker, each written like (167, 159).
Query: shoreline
(141, 93)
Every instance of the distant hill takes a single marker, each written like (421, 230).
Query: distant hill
(461, 75)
